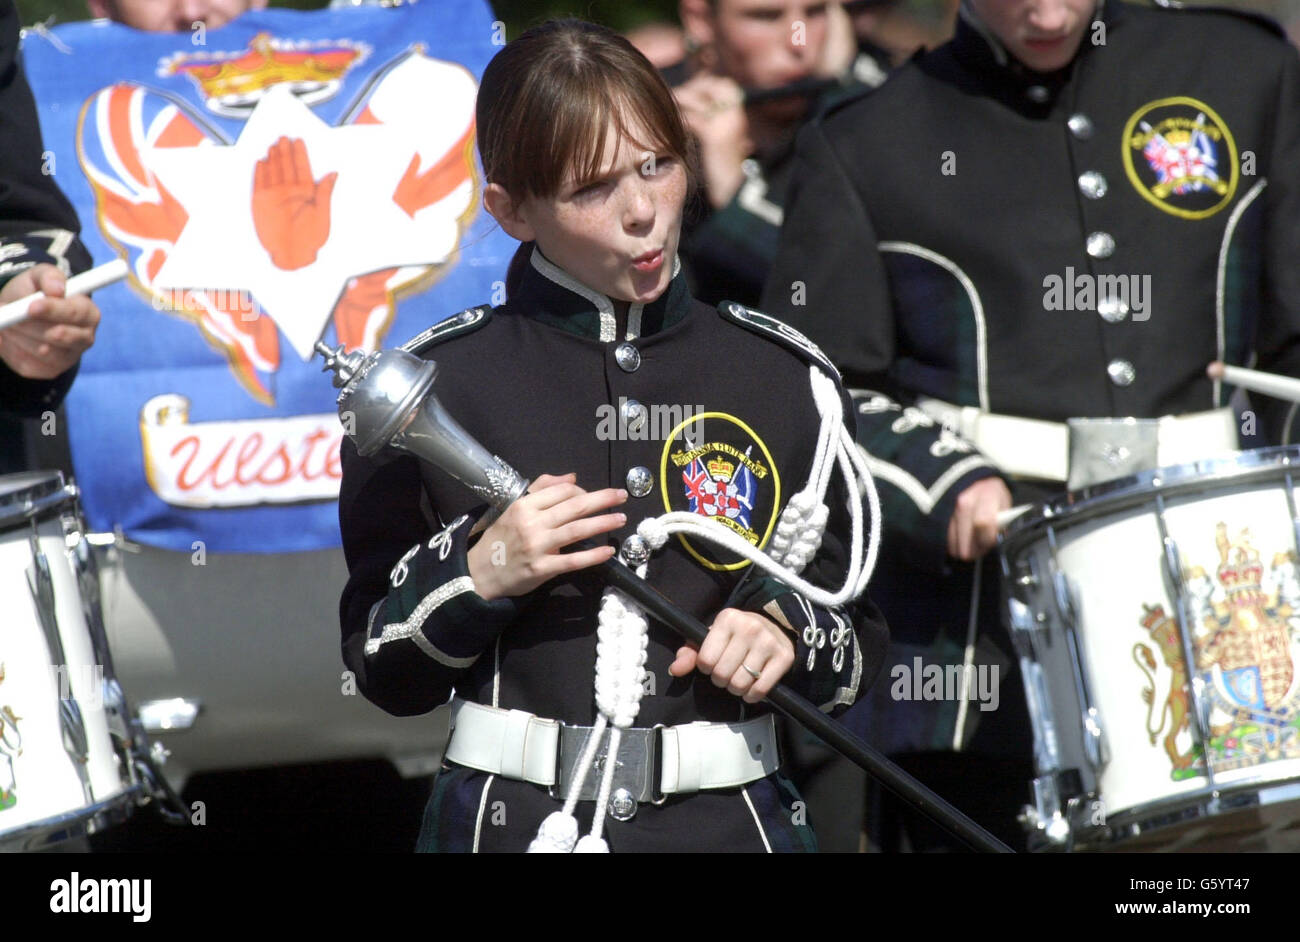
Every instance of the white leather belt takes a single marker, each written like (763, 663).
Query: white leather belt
(1087, 451)
(690, 757)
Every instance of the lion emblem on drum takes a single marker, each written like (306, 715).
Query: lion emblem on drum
(1243, 620)
(1164, 632)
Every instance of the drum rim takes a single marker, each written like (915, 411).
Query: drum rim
(1084, 503)
(48, 490)
(1143, 820)
(82, 822)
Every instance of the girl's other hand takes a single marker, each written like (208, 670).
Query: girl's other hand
(522, 548)
(739, 645)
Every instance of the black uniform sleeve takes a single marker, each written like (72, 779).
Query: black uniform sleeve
(829, 282)
(37, 223)
(412, 620)
(30, 398)
(839, 651)
(1278, 341)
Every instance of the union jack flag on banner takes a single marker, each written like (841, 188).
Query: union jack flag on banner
(292, 177)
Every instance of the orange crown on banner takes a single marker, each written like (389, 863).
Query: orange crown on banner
(267, 62)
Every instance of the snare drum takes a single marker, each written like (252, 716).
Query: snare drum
(65, 746)
(1111, 593)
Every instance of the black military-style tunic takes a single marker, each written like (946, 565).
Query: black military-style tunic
(1047, 246)
(37, 224)
(690, 410)
(728, 251)
(947, 234)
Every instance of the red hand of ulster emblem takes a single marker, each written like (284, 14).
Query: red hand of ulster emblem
(291, 211)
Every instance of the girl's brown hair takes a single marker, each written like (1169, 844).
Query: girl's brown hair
(548, 96)
(546, 100)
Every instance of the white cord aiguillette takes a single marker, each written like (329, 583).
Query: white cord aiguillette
(621, 636)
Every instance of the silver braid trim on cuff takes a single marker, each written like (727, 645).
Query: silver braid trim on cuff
(410, 628)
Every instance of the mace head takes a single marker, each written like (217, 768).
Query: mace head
(382, 391)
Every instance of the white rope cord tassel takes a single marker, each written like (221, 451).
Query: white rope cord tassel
(798, 533)
(620, 681)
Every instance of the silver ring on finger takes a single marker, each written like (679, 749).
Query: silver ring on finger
(751, 672)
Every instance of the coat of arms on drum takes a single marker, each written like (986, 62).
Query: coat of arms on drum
(11, 746)
(1245, 626)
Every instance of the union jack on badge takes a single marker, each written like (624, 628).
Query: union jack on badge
(726, 474)
(716, 488)
(1180, 156)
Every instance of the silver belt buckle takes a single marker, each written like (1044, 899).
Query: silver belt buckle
(1105, 449)
(635, 776)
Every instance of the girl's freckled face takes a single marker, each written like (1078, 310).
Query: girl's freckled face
(617, 232)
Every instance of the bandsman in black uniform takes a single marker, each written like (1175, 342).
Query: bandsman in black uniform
(764, 67)
(600, 363)
(1066, 211)
(38, 250)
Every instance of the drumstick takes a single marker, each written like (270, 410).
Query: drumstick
(1005, 517)
(1270, 384)
(99, 277)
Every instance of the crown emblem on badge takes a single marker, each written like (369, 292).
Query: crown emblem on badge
(233, 81)
(720, 467)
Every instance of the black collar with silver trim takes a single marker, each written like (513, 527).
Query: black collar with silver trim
(551, 295)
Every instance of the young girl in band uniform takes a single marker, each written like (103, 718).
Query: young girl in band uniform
(621, 398)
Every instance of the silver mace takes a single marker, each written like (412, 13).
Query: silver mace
(386, 399)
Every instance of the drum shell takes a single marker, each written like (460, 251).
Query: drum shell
(1093, 572)
(51, 788)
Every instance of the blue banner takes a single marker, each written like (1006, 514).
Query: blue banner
(287, 178)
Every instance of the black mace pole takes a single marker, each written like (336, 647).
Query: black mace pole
(800, 709)
(387, 400)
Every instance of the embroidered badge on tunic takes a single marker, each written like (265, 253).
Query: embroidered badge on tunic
(716, 466)
(1180, 155)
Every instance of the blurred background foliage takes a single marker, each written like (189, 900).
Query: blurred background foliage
(618, 14)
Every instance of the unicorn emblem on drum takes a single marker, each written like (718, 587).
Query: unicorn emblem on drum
(11, 746)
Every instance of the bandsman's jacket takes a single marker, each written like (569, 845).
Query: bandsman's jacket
(727, 252)
(539, 382)
(37, 224)
(929, 221)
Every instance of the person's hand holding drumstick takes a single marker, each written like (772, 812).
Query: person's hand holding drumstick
(57, 329)
(977, 519)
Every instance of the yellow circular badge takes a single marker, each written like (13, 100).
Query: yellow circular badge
(1181, 157)
(715, 465)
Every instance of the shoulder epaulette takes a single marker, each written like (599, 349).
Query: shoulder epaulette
(1259, 19)
(767, 326)
(467, 321)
